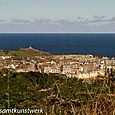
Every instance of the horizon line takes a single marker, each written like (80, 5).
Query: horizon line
(57, 32)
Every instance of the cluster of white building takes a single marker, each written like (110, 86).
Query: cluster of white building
(81, 66)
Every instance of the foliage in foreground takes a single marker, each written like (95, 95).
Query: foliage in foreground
(57, 95)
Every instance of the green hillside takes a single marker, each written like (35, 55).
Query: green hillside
(57, 95)
(28, 52)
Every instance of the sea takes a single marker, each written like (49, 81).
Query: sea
(98, 44)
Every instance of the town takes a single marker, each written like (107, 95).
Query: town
(76, 65)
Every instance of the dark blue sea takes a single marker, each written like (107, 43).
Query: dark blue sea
(79, 43)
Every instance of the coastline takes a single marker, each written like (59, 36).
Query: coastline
(79, 66)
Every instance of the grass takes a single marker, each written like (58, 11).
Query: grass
(28, 52)
(22, 53)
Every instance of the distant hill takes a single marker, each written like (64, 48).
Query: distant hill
(25, 52)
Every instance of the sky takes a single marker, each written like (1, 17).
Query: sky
(57, 16)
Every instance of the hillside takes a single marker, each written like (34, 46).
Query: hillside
(29, 52)
(57, 95)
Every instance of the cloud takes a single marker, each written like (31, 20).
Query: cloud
(83, 20)
(20, 21)
(99, 17)
(62, 22)
(80, 18)
(99, 20)
(103, 19)
(111, 20)
(78, 21)
(41, 21)
(95, 20)
(1, 20)
(31, 21)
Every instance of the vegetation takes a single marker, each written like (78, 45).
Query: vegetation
(28, 52)
(57, 95)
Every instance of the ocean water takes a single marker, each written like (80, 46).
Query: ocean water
(96, 44)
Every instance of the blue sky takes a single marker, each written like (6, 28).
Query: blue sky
(57, 16)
